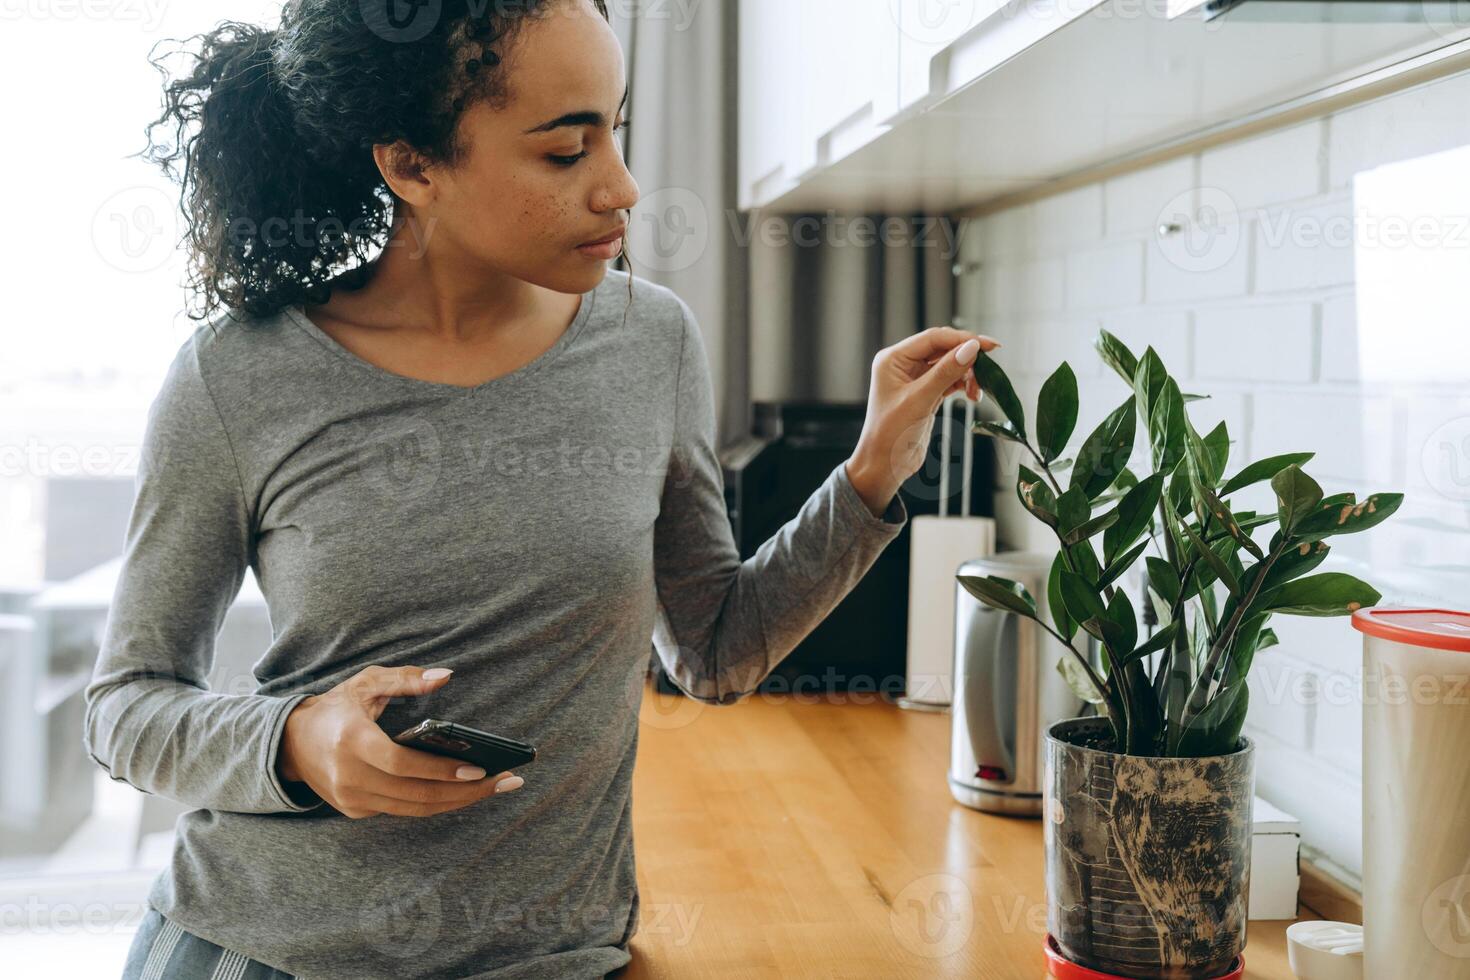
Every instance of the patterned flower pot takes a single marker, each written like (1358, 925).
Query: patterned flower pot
(1147, 859)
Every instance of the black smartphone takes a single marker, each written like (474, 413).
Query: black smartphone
(493, 753)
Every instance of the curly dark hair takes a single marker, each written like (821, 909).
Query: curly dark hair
(275, 128)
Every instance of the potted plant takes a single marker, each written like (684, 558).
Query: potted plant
(1148, 804)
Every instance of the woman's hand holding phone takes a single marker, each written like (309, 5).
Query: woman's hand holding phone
(333, 744)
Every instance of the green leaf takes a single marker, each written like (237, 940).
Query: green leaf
(1084, 561)
(1066, 626)
(1073, 510)
(1166, 427)
(1148, 381)
(1037, 498)
(1135, 511)
(1297, 497)
(1001, 593)
(1217, 454)
(1117, 355)
(1263, 470)
(1155, 643)
(1267, 638)
(1000, 430)
(1079, 680)
(1295, 563)
(1080, 599)
(1120, 626)
(1089, 528)
(1056, 412)
(1214, 561)
(1348, 518)
(1104, 454)
(1216, 729)
(1327, 594)
(1163, 579)
(993, 380)
(1217, 509)
(1121, 565)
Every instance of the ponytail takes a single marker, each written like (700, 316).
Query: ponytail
(272, 133)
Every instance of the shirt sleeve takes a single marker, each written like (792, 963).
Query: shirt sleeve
(723, 625)
(150, 719)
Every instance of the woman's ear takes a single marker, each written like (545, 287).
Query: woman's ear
(405, 171)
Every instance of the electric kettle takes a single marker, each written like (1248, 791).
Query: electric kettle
(1007, 691)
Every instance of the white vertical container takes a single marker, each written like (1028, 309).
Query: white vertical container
(938, 546)
(1416, 793)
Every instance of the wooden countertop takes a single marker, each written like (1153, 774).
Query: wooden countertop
(792, 836)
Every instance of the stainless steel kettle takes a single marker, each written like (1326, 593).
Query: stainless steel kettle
(1007, 691)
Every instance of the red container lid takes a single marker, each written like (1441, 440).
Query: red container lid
(1439, 629)
(1064, 969)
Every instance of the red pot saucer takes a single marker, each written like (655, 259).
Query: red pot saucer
(1062, 968)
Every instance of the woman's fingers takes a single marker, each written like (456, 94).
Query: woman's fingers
(929, 345)
(382, 753)
(407, 792)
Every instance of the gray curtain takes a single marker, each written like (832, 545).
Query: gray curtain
(793, 306)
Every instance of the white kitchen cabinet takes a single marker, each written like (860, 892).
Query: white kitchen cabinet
(818, 81)
(926, 29)
(944, 106)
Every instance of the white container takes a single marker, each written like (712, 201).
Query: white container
(938, 546)
(1276, 843)
(1416, 793)
(1320, 950)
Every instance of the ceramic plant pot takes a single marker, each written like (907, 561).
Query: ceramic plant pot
(1147, 859)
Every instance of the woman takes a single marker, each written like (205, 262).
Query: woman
(482, 452)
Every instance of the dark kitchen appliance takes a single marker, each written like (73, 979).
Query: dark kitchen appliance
(860, 646)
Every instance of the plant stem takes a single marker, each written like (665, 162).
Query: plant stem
(1045, 468)
(1200, 696)
(1092, 675)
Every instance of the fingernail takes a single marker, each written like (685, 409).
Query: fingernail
(967, 351)
(509, 783)
(434, 673)
(470, 772)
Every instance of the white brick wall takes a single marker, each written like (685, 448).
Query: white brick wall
(1252, 301)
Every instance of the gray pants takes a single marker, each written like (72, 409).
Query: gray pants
(163, 951)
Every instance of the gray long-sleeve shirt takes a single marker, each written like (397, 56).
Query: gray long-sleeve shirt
(533, 533)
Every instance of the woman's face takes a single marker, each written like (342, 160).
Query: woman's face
(545, 174)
